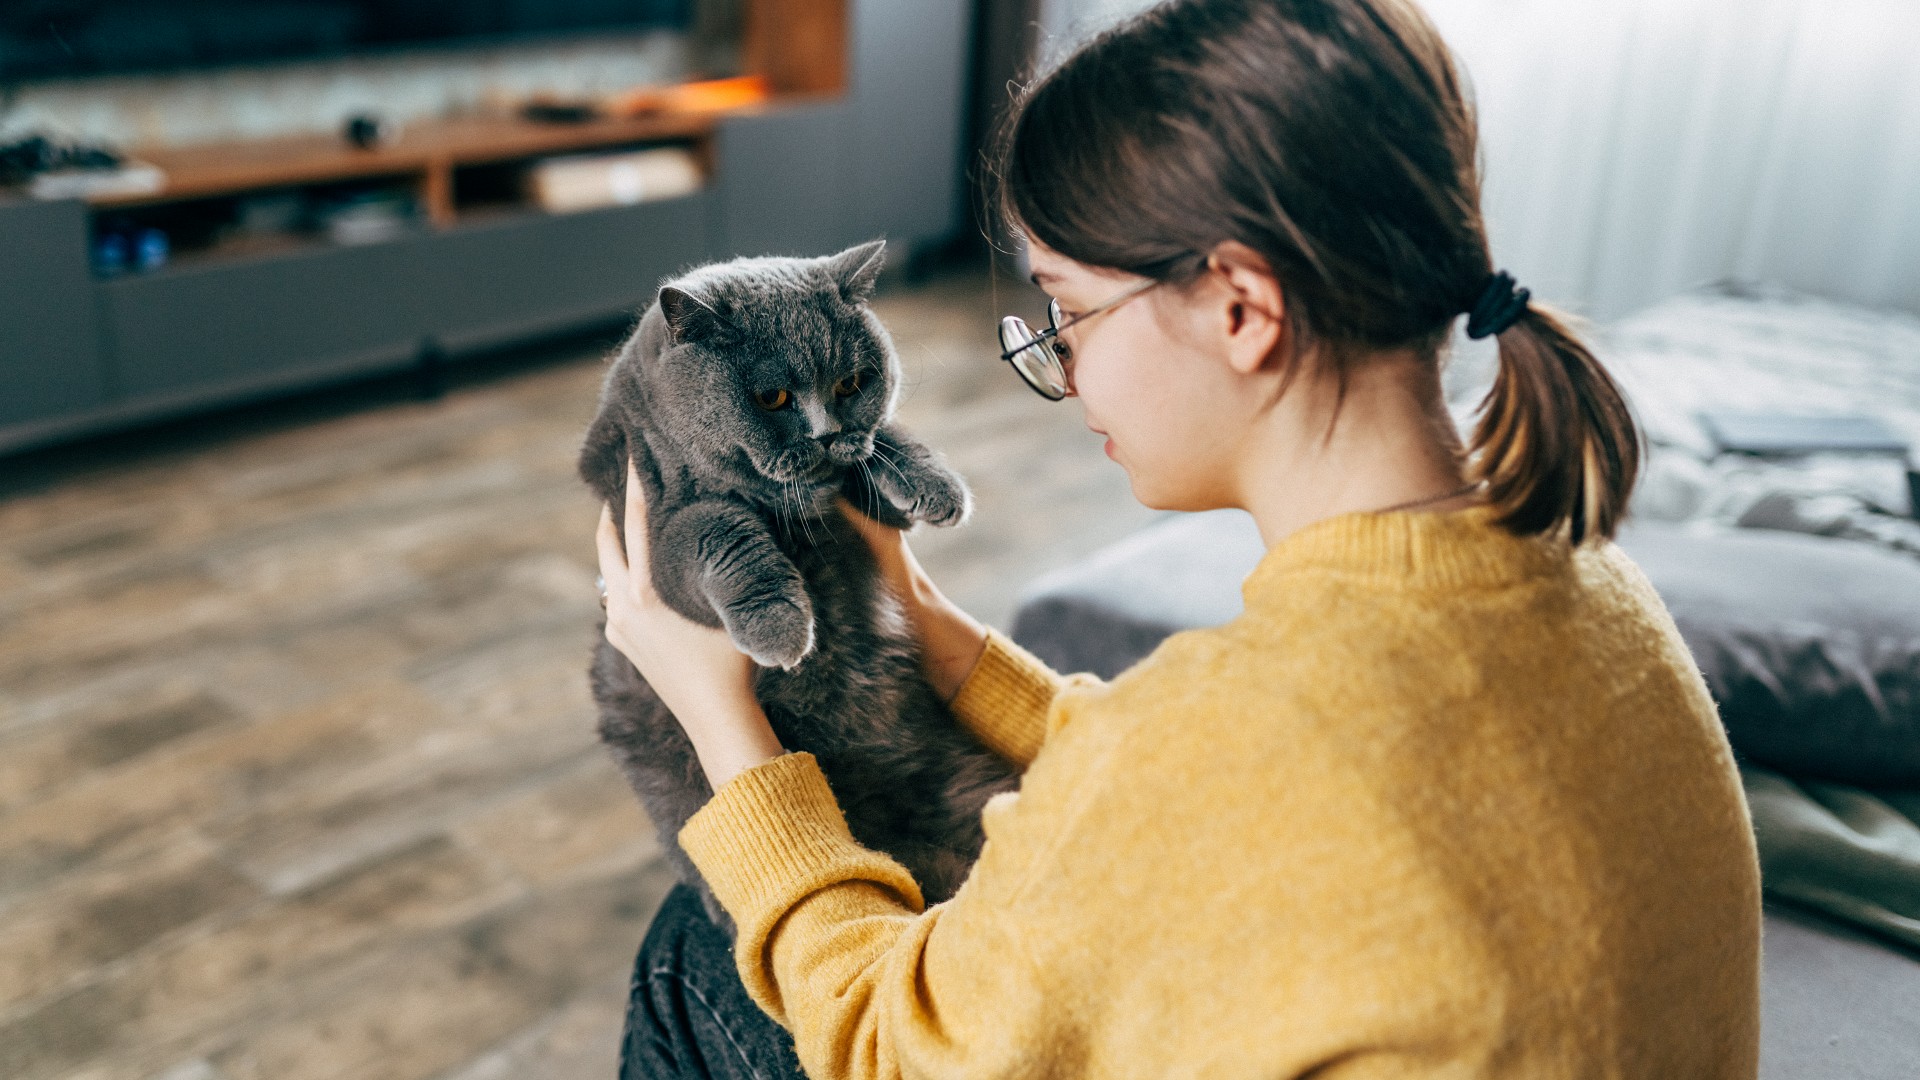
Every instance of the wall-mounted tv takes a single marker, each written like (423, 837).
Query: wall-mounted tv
(52, 39)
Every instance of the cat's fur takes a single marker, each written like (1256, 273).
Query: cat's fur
(745, 534)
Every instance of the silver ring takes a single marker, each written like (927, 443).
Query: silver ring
(600, 583)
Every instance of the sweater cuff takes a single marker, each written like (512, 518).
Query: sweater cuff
(1004, 702)
(772, 836)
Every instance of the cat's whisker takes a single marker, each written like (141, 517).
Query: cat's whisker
(786, 493)
(808, 525)
(800, 511)
(886, 458)
(872, 493)
(782, 514)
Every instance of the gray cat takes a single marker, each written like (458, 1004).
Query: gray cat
(751, 394)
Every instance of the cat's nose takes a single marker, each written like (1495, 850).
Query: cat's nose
(819, 424)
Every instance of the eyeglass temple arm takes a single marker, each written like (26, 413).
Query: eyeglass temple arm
(1053, 331)
(1108, 306)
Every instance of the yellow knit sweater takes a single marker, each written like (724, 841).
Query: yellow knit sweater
(1441, 803)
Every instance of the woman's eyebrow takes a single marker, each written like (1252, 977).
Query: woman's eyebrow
(1041, 277)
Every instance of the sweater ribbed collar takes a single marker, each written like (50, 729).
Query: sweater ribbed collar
(1459, 549)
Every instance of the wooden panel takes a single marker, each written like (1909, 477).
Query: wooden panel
(49, 341)
(316, 314)
(800, 46)
(528, 274)
(266, 322)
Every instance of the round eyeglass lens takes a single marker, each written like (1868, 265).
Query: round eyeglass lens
(1033, 357)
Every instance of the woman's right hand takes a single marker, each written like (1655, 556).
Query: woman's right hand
(951, 641)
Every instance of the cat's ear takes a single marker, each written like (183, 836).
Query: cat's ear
(857, 269)
(690, 318)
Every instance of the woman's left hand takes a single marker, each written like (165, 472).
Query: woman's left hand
(697, 671)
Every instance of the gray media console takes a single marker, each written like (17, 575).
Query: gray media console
(80, 355)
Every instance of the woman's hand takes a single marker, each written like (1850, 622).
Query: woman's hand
(697, 671)
(951, 641)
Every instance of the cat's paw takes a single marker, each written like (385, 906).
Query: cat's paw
(940, 498)
(921, 487)
(776, 633)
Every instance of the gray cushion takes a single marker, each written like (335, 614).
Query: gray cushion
(1811, 646)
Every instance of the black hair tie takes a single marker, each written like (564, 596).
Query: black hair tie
(1500, 306)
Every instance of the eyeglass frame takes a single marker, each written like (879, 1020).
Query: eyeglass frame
(1050, 337)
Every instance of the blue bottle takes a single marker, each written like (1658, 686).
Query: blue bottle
(110, 253)
(151, 249)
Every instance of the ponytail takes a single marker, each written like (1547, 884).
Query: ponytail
(1555, 443)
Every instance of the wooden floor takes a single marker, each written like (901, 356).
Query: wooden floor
(297, 773)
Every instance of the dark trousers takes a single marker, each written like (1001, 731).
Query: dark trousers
(688, 1016)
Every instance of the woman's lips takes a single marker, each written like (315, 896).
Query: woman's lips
(1109, 448)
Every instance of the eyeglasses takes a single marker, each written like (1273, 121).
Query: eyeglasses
(1040, 358)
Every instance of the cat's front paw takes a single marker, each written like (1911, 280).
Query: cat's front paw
(918, 483)
(940, 498)
(776, 633)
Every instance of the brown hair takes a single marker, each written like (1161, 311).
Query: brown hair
(1334, 138)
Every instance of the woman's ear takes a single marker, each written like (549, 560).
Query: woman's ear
(1251, 306)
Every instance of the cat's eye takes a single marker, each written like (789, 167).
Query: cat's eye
(848, 386)
(772, 400)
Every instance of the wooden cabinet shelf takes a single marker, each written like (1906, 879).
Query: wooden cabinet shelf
(425, 153)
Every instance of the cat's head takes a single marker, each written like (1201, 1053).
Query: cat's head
(775, 367)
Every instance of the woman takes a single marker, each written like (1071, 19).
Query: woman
(1448, 799)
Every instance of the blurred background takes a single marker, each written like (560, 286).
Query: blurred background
(304, 306)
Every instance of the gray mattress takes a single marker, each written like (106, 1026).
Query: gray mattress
(1837, 1004)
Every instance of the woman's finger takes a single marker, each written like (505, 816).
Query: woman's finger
(888, 544)
(636, 519)
(875, 533)
(613, 561)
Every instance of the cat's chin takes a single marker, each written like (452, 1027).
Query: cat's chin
(810, 490)
(822, 467)
(792, 468)
(825, 474)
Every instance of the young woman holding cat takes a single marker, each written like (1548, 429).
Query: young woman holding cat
(1448, 799)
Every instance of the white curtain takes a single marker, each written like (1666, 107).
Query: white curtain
(1635, 148)
(1066, 23)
